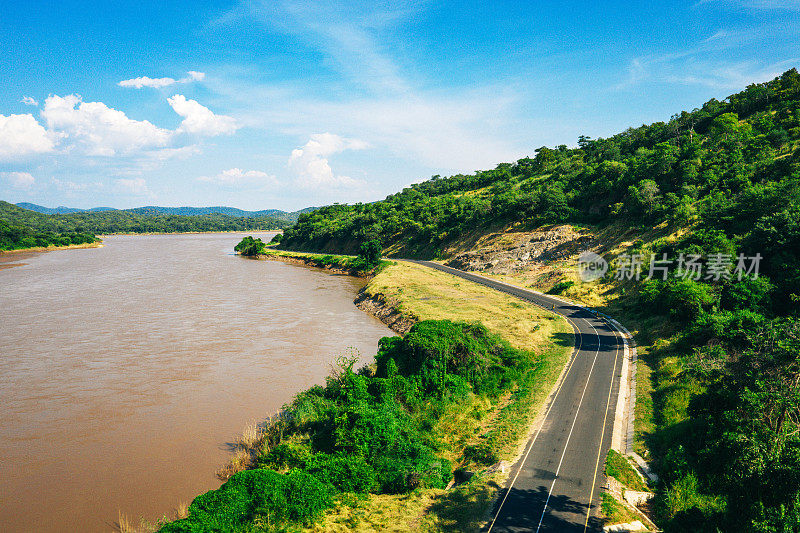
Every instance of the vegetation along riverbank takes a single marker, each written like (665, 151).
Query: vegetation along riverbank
(378, 448)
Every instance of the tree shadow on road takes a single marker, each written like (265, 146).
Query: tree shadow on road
(522, 511)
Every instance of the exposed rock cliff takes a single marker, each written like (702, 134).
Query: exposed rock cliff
(510, 253)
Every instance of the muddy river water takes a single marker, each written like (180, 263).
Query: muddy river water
(126, 370)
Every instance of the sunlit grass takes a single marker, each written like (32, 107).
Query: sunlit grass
(428, 294)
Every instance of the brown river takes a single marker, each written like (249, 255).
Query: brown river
(126, 370)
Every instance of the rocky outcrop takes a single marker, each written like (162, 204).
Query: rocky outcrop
(383, 309)
(514, 252)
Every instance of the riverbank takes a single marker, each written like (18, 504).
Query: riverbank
(338, 264)
(407, 293)
(53, 248)
(479, 435)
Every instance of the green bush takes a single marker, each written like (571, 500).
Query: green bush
(684, 299)
(297, 497)
(285, 455)
(251, 247)
(345, 472)
(560, 287)
(433, 349)
(481, 453)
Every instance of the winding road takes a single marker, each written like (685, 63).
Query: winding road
(556, 484)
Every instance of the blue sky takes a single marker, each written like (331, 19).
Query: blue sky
(278, 104)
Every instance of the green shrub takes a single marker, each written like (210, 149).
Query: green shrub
(480, 453)
(433, 349)
(683, 299)
(297, 497)
(347, 473)
(250, 247)
(285, 455)
(560, 287)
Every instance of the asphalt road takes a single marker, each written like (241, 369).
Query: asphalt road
(556, 485)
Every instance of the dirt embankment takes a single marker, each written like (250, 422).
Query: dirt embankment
(514, 252)
(384, 310)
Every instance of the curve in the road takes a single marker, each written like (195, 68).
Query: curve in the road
(556, 486)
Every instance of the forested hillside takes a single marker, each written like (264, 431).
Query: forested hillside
(723, 181)
(157, 210)
(14, 237)
(709, 162)
(131, 221)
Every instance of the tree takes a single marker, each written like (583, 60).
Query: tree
(370, 254)
(251, 247)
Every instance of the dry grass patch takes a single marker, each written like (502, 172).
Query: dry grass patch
(251, 436)
(381, 513)
(429, 294)
(126, 525)
(247, 446)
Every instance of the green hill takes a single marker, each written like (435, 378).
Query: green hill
(708, 162)
(720, 354)
(188, 211)
(22, 228)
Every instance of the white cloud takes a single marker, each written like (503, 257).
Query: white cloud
(144, 81)
(350, 33)
(310, 162)
(137, 186)
(99, 129)
(28, 100)
(158, 83)
(237, 176)
(22, 135)
(71, 186)
(200, 120)
(179, 152)
(461, 129)
(692, 68)
(18, 180)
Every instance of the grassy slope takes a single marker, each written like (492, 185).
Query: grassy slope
(428, 294)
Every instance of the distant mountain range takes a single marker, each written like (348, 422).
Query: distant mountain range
(152, 209)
